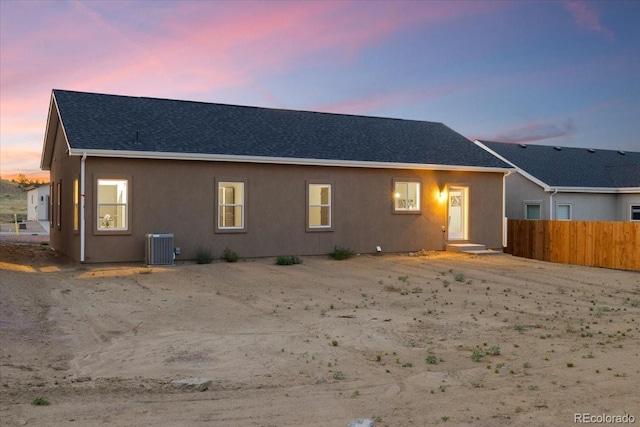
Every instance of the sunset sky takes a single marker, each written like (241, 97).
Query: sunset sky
(550, 72)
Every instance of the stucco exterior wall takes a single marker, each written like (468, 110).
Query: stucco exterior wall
(588, 206)
(584, 206)
(179, 197)
(623, 206)
(64, 170)
(520, 189)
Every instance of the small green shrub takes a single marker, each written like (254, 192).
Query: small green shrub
(229, 255)
(459, 277)
(203, 256)
(338, 375)
(40, 401)
(340, 253)
(494, 350)
(432, 359)
(288, 260)
(476, 355)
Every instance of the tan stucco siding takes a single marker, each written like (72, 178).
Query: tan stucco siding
(63, 171)
(179, 197)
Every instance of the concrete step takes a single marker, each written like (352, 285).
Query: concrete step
(465, 247)
(484, 252)
(471, 249)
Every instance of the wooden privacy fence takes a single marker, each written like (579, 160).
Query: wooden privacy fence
(592, 243)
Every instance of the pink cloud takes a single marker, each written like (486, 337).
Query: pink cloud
(20, 160)
(377, 101)
(534, 131)
(585, 16)
(185, 49)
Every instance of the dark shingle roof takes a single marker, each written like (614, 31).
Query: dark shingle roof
(109, 122)
(573, 167)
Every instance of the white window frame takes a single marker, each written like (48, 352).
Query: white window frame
(76, 204)
(570, 206)
(221, 204)
(103, 224)
(631, 209)
(59, 205)
(51, 204)
(312, 184)
(528, 203)
(405, 204)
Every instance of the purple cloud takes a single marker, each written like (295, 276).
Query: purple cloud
(536, 131)
(586, 17)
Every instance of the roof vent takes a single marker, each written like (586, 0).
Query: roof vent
(591, 150)
(621, 152)
(557, 148)
(523, 145)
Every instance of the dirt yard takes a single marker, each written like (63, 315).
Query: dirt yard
(437, 339)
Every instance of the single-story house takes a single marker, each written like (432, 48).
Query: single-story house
(259, 181)
(38, 203)
(564, 183)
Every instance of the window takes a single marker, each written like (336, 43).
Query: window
(533, 210)
(406, 196)
(563, 211)
(231, 201)
(635, 213)
(113, 204)
(51, 199)
(319, 201)
(76, 204)
(58, 205)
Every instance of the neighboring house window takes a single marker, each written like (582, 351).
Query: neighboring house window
(51, 199)
(563, 211)
(635, 212)
(319, 199)
(406, 195)
(231, 205)
(76, 205)
(58, 205)
(113, 204)
(533, 210)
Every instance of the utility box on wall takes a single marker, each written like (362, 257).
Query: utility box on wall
(159, 249)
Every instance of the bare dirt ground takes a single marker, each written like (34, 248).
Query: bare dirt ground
(438, 339)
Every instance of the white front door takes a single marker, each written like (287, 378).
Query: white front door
(458, 213)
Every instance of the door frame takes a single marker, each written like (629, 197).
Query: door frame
(464, 213)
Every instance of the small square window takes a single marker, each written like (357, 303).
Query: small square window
(406, 196)
(533, 211)
(635, 212)
(563, 211)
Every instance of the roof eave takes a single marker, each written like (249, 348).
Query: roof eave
(277, 160)
(53, 121)
(610, 190)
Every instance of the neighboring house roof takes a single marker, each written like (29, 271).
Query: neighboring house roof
(571, 169)
(124, 126)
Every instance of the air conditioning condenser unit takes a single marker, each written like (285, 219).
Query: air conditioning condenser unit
(159, 249)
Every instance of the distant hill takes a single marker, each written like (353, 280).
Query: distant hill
(13, 200)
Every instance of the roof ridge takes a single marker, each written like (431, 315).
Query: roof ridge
(224, 104)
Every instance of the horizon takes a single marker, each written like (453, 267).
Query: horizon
(544, 73)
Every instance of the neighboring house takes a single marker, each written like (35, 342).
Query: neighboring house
(569, 183)
(259, 181)
(38, 203)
